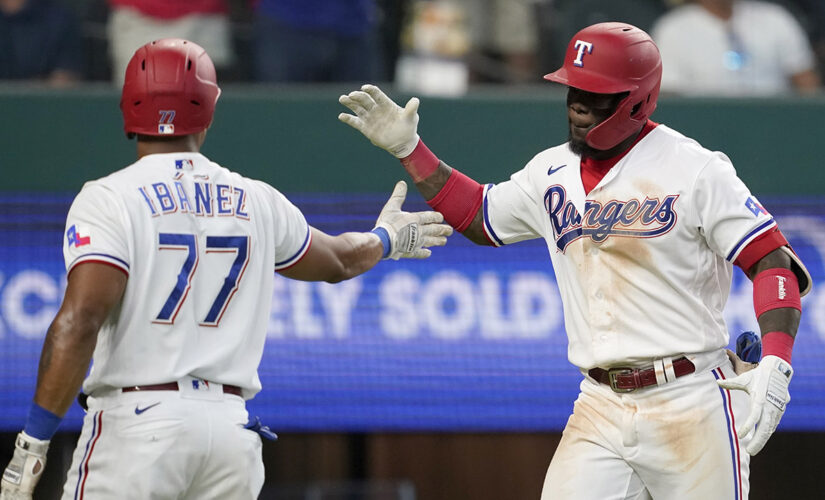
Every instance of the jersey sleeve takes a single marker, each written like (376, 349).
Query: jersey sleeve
(730, 216)
(511, 213)
(292, 234)
(96, 230)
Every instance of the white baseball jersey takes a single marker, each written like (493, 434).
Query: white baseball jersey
(200, 245)
(643, 261)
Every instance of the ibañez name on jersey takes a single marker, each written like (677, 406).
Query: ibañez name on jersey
(647, 218)
(207, 200)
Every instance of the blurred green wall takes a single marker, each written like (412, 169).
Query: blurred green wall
(54, 141)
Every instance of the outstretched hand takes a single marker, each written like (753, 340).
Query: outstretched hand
(411, 233)
(386, 124)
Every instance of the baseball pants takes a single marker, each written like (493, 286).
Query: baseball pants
(672, 442)
(186, 444)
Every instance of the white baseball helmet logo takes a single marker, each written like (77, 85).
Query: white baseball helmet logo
(581, 46)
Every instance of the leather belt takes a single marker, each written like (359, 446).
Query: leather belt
(173, 386)
(625, 379)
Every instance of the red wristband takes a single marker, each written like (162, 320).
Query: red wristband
(774, 289)
(459, 200)
(778, 344)
(421, 163)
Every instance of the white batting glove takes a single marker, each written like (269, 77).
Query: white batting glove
(411, 232)
(386, 124)
(767, 385)
(25, 468)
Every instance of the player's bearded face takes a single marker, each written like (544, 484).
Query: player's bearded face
(585, 110)
(579, 146)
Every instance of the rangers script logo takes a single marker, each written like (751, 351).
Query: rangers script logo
(648, 218)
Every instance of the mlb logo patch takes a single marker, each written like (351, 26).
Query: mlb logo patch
(200, 385)
(166, 128)
(75, 236)
(184, 164)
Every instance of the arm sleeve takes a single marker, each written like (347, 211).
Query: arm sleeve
(292, 234)
(96, 230)
(511, 213)
(730, 216)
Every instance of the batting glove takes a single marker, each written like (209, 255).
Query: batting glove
(25, 468)
(767, 385)
(386, 124)
(410, 233)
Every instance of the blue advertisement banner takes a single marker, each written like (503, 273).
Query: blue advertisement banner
(470, 340)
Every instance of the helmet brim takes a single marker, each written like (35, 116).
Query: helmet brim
(590, 81)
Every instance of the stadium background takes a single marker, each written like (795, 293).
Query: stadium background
(455, 388)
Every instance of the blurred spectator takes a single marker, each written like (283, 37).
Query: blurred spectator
(435, 42)
(734, 47)
(39, 40)
(812, 13)
(133, 23)
(504, 37)
(317, 41)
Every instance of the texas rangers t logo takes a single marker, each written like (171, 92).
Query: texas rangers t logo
(581, 46)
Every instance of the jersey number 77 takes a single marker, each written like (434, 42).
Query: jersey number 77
(189, 243)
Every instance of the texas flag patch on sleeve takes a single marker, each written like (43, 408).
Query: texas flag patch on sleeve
(76, 236)
(754, 207)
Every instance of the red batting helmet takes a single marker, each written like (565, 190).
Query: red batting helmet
(170, 89)
(611, 58)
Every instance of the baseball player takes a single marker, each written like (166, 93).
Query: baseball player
(643, 226)
(170, 272)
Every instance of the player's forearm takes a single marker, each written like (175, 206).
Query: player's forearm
(337, 258)
(785, 319)
(432, 185)
(780, 320)
(357, 253)
(64, 360)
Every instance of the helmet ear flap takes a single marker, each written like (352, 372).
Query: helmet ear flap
(630, 115)
(615, 128)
